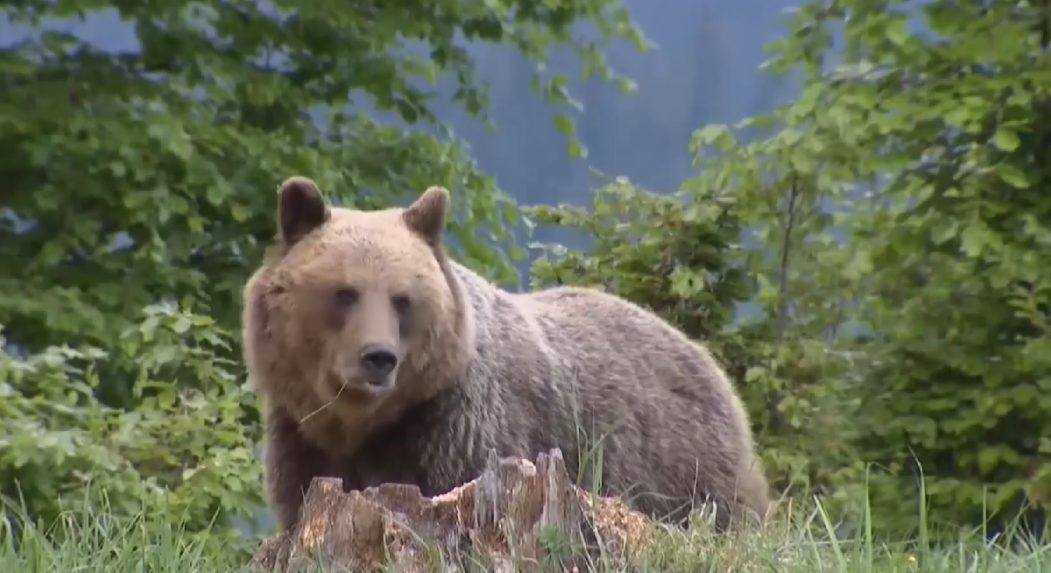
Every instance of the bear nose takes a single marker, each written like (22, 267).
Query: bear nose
(378, 361)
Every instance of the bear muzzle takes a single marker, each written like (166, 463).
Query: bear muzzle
(369, 373)
(378, 362)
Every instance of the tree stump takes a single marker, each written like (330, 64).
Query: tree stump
(516, 516)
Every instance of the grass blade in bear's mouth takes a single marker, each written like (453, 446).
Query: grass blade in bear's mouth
(325, 405)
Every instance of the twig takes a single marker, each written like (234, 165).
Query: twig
(325, 405)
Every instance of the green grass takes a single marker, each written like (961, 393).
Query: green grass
(95, 539)
(800, 537)
(805, 538)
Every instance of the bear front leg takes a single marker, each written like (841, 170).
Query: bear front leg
(291, 463)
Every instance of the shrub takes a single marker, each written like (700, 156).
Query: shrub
(183, 447)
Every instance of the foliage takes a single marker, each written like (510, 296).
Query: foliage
(146, 174)
(952, 128)
(896, 221)
(183, 449)
(672, 256)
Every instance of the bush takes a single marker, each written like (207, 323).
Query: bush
(183, 448)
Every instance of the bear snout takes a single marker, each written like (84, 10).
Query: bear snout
(377, 363)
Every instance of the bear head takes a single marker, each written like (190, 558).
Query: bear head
(356, 316)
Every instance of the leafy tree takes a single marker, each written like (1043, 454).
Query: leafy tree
(896, 218)
(934, 141)
(149, 174)
(950, 127)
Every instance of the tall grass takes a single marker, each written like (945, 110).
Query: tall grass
(92, 538)
(804, 537)
(800, 536)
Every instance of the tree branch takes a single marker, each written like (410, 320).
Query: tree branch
(790, 216)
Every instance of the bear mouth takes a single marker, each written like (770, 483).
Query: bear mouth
(350, 389)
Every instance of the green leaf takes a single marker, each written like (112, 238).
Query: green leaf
(1006, 139)
(973, 239)
(627, 86)
(897, 32)
(564, 125)
(1012, 175)
(710, 134)
(944, 230)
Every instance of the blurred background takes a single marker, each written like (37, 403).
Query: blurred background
(702, 66)
(847, 201)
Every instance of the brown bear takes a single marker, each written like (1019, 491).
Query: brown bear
(381, 360)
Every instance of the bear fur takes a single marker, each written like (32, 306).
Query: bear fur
(476, 369)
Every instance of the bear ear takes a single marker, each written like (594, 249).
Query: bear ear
(301, 209)
(427, 215)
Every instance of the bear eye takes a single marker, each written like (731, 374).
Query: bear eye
(346, 296)
(401, 303)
